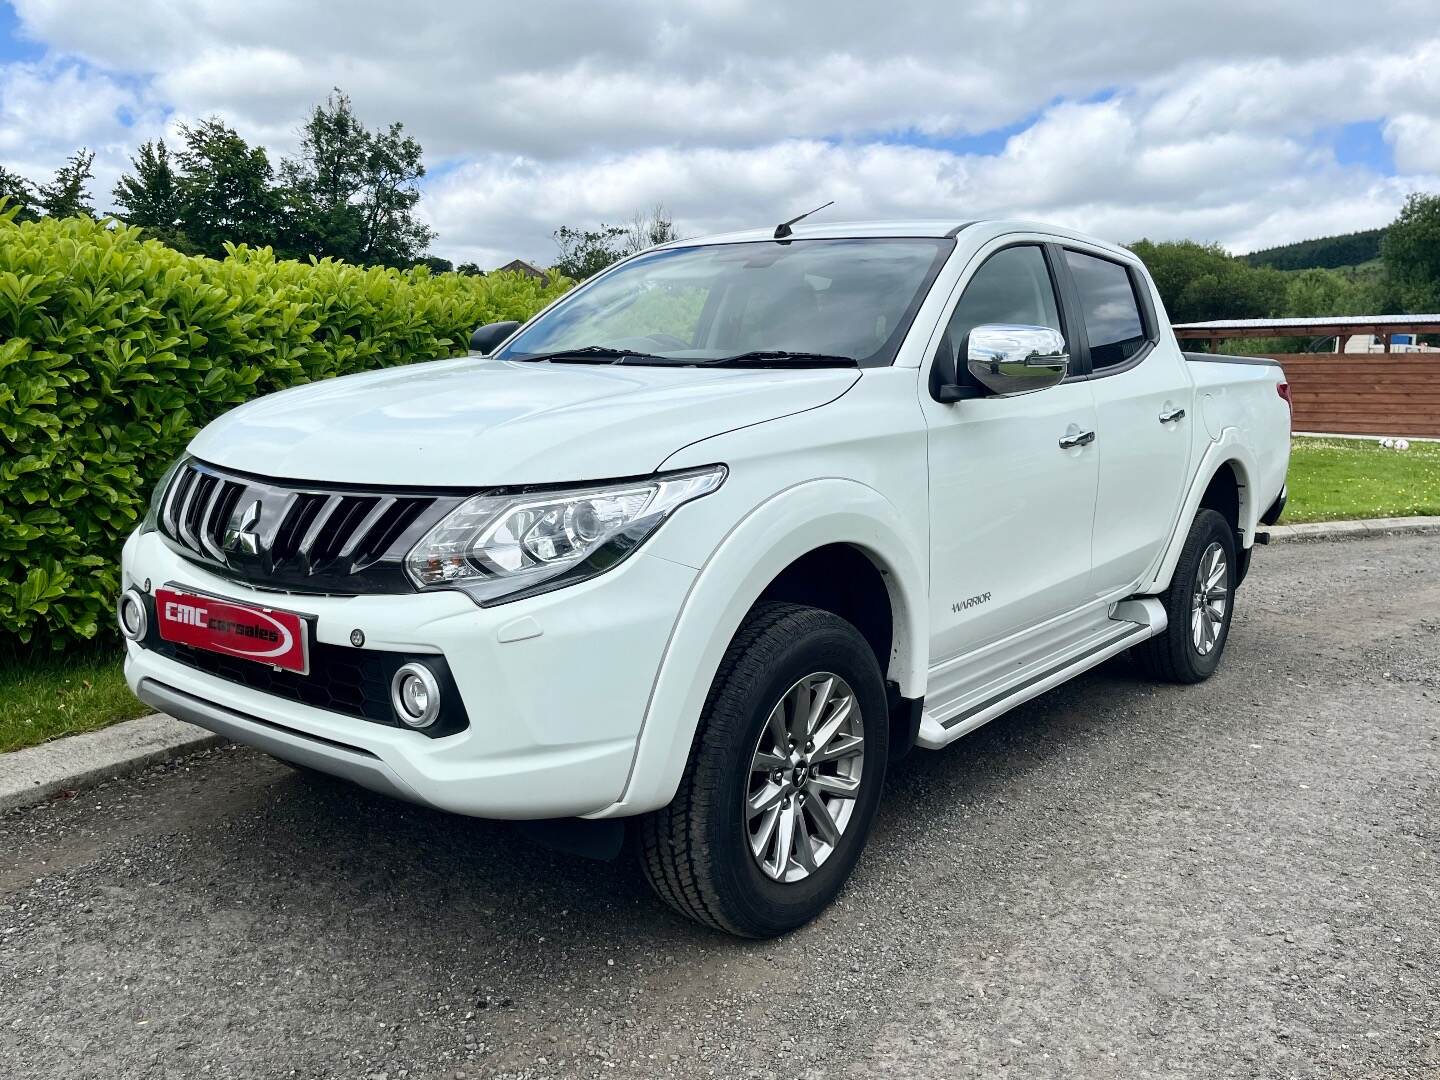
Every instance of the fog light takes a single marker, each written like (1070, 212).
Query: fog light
(415, 696)
(131, 613)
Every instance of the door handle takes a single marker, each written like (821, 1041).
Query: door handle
(1079, 438)
(1169, 416)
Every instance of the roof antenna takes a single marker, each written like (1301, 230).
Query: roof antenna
(783, 229)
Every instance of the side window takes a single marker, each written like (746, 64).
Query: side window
(1111, 311)
(1013, 286)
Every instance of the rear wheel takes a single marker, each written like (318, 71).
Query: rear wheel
(1199, 603)
(783, 779)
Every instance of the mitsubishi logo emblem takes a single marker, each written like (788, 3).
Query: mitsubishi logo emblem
(241, 535)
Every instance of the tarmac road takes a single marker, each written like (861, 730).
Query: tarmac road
(1119, 879)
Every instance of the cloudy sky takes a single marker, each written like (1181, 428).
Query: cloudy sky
(1127, 118)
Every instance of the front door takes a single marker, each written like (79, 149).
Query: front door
(1011, 511)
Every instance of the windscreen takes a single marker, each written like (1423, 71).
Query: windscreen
(850, 298)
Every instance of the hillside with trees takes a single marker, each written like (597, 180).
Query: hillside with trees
(1201, 282)
(1324, 253)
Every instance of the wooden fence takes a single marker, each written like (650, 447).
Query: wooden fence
(1365, 393)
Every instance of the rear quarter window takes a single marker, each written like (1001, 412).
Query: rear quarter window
(1111, 310)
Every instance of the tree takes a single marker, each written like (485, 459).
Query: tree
(392, 235)
(585, 252)
(649, 231)
(19, 193)
(1198, 282)
(151, 197)
(1411, 252)
(1326, 292)
(351, 192)
(1328, 252)
(436, 264)
(66, 194)
(322, 185)
(470, 269)
(225, 190)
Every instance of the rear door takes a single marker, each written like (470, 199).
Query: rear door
(1143, 407)
(1010, 509)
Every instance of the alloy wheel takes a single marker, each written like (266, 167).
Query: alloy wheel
(1209, 599)
(804, 777)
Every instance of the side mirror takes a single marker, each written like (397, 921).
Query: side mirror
(1008, 360)
(487, 338)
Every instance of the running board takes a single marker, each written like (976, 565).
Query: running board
(1130, 622)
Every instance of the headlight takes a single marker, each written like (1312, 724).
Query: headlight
(504, 547)
(157, 497)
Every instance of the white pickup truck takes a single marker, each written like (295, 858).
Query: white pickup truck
(714, 539)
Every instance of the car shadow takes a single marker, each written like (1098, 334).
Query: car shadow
(359, 847)
(308, 905)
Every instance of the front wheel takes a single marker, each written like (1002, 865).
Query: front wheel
(1199, 603)
(783, 779)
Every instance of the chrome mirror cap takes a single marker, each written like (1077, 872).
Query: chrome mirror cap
(1008, 359)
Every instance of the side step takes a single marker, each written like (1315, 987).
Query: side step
(1130, 622)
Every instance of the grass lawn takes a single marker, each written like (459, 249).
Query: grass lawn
(43, 697)
(1339, 479)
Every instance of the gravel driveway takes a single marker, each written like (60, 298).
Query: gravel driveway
(1118, 879)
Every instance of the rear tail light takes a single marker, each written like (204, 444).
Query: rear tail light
(1283, 389)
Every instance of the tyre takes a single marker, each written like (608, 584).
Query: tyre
(783, 779)
(1199, 603)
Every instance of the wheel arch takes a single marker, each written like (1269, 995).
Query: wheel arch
(1224, 493)
(1224, 483)
(775, 553)
(846, 580)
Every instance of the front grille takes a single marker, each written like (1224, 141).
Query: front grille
(352, 682)
(294, 536)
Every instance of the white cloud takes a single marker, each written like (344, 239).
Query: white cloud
(1341, 85)
(548, 79)
(1416, 139)
(1210, 119)
(1245, 190)
(51, 108)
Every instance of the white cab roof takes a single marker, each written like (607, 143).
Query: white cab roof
(812, 229)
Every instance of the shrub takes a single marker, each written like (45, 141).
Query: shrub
(115, 350)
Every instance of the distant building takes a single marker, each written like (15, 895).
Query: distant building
(1375, 343)
(520, 266)
(1353, 379)
(1357, 334)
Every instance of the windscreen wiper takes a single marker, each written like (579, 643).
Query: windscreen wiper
(781, 358)
(604, 354)
(592, 354)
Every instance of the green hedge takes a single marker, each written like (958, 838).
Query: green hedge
(114, 351)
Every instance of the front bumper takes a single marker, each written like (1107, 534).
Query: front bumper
(555, 687)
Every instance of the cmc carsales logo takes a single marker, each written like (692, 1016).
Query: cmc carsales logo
(267, 635)
(259, 634)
